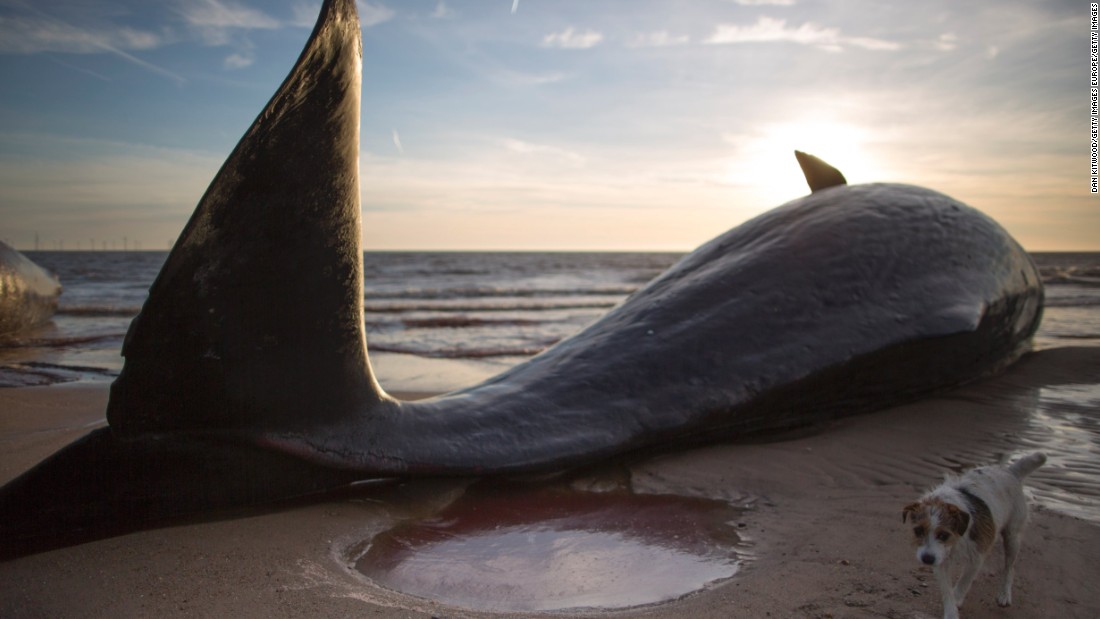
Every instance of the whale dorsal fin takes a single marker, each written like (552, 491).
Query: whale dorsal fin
(819, 175)
(256, 317)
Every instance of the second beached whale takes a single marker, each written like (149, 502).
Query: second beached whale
(251, 345)
(28, 293)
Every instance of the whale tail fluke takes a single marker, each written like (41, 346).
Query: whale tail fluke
(257, 315)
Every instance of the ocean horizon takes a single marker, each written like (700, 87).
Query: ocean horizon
(438, 320)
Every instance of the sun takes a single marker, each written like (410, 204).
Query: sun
(763, 163)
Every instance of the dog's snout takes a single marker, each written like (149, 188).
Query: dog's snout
(928, 558)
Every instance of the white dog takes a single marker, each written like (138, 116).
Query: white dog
(957, 523)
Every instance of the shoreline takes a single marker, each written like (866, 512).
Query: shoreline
(822, 519)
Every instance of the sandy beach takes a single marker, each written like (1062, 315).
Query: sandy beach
(820, 518)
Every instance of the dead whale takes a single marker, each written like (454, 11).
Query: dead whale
(247, 378)
(28, 293)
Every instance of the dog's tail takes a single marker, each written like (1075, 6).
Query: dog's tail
(1026, 466)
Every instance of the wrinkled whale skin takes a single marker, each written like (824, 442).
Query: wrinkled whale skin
(247, 379)
(847, 300)
(28, 293)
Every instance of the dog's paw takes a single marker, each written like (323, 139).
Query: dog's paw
(1004, 599)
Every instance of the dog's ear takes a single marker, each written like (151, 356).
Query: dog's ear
(957, 519)
(910, 511)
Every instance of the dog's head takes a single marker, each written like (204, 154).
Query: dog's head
(937, 526)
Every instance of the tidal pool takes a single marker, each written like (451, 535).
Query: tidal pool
(520, 549)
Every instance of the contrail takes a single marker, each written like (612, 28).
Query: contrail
(515, 5)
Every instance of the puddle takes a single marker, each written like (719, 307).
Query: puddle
(1065, 424)
(517, 549)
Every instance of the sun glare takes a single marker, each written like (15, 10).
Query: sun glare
(763, 163)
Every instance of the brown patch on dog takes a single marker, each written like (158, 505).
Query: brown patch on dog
(910, 511)
(955, 519)
(920, 516)
(984, 531)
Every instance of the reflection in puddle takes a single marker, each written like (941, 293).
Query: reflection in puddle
(551, 548)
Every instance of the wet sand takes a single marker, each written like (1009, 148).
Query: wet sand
(820, 517)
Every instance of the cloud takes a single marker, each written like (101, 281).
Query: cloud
(571, 39)
(217, 14)
(238, 61)
(872, 43)
(442, 11)
(214, 21)
(771, 30)
(32, 35)
(947, 42)
(518, 78)
(397, 142)
(660, 38)
(217, 21)
(373, 14)
(527, 148)
(84, 70)
(305, 13)
(42, 33)
(765, 2)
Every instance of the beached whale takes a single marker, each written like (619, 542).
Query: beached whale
(28, 293)
(247, 378)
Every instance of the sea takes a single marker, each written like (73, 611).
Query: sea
(437, 321)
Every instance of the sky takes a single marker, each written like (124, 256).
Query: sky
(553, 124)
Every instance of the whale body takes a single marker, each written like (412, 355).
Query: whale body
(250, 352)
(28, 293)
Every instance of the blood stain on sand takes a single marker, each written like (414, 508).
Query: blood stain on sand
(552, 548)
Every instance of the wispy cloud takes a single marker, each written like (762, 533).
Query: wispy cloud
(660, 38)
(218, 14)
(304, 13)
(238, 61)
(765, 2)
(442, 11)
(528, 148)
(397, 142)
(220, 22)
(518, 78)
(947, 42)
(772, 30)
(571, 39)
(215, 22)
(40, 33)
(373, 14)
(84, 70)
(148, 66)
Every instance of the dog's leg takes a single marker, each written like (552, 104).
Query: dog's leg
(963, 587)
(1012, 550)
(947, 592)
